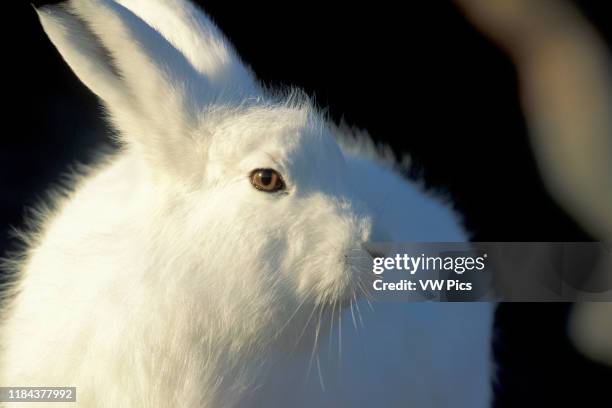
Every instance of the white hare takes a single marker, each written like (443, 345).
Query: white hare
(216, 260)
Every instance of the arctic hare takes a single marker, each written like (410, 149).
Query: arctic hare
(219, 258)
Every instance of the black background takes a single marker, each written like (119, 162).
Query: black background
(419, 78)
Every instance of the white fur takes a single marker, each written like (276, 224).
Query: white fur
(165, 279)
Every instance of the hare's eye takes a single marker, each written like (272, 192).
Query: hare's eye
(267, 180)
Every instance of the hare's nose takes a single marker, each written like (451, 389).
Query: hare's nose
(375, 249)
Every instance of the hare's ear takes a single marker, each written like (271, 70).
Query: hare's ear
(152, 88)
(83, 52)
(191, 32)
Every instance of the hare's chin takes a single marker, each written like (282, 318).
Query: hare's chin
(360, 284)
(358, 289)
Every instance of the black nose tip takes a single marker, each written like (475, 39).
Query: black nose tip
(374, 249)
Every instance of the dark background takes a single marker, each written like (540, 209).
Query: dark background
(420, 79)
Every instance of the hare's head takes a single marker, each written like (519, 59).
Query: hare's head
(251, 194)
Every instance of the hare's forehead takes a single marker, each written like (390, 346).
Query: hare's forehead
(287, 133)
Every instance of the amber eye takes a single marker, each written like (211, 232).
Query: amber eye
(267, 180)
